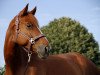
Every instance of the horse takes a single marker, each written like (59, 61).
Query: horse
(26, 51)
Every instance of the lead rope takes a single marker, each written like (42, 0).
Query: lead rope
(29, 57)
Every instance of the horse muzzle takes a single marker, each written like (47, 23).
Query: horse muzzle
(43, 51)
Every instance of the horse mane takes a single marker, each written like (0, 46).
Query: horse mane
(9, 42)
(18, 51)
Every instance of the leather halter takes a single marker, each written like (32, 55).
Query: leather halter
(31, 40)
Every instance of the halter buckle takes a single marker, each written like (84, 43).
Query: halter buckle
(29, 56)
(32, 41)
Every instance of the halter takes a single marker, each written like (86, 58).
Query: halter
(31, 40)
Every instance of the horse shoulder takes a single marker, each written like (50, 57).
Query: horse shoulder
(85, 64)
(74, 61)
(61, 64)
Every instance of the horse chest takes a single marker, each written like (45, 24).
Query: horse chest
(35, 71)
(30, 71)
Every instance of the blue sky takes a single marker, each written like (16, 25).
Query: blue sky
(84, 11)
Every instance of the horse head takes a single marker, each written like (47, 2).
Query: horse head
(26, 33)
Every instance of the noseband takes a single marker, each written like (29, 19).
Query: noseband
(31, 40)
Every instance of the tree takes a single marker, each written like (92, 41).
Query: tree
(67, 35)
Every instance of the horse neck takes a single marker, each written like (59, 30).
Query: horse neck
(9, 43)
(8, 46)
(20, 61)
(20, 56)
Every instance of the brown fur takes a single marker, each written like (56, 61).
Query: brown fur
(16, 58)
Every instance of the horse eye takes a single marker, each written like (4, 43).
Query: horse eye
(29, 25)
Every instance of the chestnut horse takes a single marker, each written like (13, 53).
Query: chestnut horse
(26, 47)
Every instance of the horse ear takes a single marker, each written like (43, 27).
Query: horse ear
(24, 11)
(33, 11)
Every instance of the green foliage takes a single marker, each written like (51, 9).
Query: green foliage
(2, 70)
(67, 35)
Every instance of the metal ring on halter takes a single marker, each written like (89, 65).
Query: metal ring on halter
(29, 56)
(32, 41)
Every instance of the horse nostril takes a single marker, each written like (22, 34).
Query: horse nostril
(47, 49)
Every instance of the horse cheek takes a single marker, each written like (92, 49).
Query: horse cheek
(22, 41)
